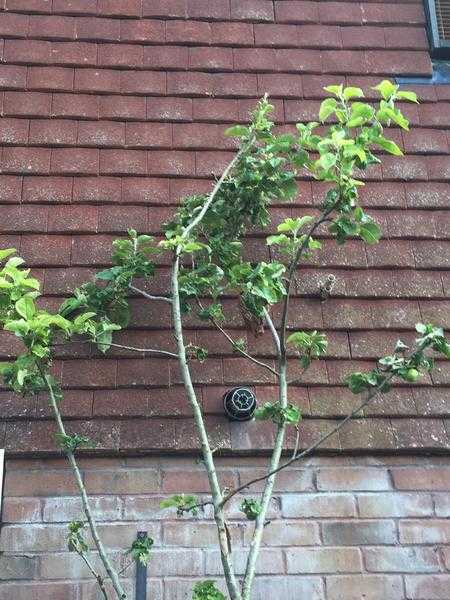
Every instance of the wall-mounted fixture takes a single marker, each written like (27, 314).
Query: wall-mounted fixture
(239, 404)
(438, 14)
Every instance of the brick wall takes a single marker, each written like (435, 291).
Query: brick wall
(372, 528)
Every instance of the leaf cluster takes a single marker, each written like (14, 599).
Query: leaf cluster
(183, 503)
(309, 345)
(141, 548)
(407, 368)
(251, 508)
(207, 590)
(273, 411)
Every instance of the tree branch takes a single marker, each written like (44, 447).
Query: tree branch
(96, 576)
(292, 268)
(84, 498)
(149, 296)
(372, 394)
(206, 449)
(243, 352)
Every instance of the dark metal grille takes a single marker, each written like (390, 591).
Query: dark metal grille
(443, 18)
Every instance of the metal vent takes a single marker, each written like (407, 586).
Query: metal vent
(443, 18)
(438, 12)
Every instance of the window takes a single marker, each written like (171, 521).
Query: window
(438, 13)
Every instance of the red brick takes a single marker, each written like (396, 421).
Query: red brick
(75, 6)
(363, 37)
(121, 8)
(217, 59)
(121, 218)
(97, 80)
(369, 587)
(101, 133)
(130, 481)
(232, 33)
(139, 82)
(398, 62)
(46, 250)
(344, 533)
(414, 38)
(97, 29)
(137, 372)
(323, 560)
(193, 32)
(395, 560)
(74, 53)
(149, 135)
(281, 85)
(343, 62)
(252, 10)
(43, 26)
(353, 478)
(190, 83)
(26, 160)
(196, 135)
(424, 532)
(215, 109)
(120, 55)
(212, 163)
(27, 51)
(169, 109)
(148, 31)
(166, 57)
(14, 25)
(75, 160)
(194, 481)
(75, 105)
(57, 482)
(90, 373)
(415, 478)
(296, 11)
(29, 103)
(40, 591)
(123, 162)
(122, 107)
(402, 13)
(433, 587)
(254, 59)
(145, 190)
(73, 218)
(53, 132)
(164, 8)
(340, 12)
(50, 78)
(47, 189)
(41, 6)
(12, 76)
(22, 510)
(14, 131)
(171, 163)
(208, 9)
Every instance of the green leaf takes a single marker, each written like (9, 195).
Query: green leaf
(353, 92)
(370, 233)
(237, 131)
(386, 89)
(409, 96)
(277, 240)
(6, 252)
(25, 307)
(207, 590)
(388, 145)
(334, 89)
(327, 108)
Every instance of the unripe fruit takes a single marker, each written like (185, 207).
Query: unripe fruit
(411, 375)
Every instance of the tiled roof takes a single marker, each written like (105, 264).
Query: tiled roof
(114, 109)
